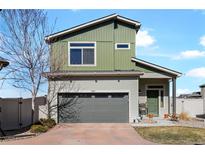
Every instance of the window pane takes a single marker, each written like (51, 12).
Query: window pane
(88, 56)
(124, 46)
(75, 56)
(82, 44)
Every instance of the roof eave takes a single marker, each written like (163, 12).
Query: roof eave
(88, 24)
(172, 72)
(91, 74)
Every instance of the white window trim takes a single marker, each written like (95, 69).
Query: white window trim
(95, 57)
(116, 48)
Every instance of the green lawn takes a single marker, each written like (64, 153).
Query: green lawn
(173, 135)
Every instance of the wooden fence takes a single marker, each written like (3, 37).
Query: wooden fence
(16, 113)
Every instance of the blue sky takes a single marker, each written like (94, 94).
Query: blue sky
(171, 38)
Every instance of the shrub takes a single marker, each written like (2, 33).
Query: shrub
(166, 116)
(39, 129)
(184, 116)
(174, 117)
(50, 123)
(150, 115)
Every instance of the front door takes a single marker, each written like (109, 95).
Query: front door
(153, 102)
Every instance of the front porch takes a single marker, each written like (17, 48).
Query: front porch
(155, 97)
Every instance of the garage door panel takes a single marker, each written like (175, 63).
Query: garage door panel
(89, 107)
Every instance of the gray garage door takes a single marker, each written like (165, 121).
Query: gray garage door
(93, 107)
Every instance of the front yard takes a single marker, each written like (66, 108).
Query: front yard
(173, 134)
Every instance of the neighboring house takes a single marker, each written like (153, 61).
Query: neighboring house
(192, 95)
(100, 78)
(193, 104)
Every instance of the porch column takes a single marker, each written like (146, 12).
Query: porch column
(169, 97)
(174, 95)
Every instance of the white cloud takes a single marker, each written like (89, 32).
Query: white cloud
(197, 72)
(183, 91)
(202, 41)
(144, 39)
(190, 54)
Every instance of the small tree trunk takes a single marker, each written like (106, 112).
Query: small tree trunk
(33, 117)
(48, 110)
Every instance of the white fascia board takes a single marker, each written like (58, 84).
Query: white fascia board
(129, 21)
(157, 67)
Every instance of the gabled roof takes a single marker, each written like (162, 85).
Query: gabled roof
(92, 23)
(158, 67)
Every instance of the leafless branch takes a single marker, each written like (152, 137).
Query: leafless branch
(22, 42)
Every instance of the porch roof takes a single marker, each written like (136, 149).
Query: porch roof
(157, 67)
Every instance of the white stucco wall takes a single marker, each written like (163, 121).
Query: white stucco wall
(108, 84)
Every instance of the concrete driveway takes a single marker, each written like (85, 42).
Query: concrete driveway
(86, 133)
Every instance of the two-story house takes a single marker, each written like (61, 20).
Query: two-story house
(99, 79)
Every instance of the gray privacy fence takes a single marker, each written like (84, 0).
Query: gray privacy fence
(193, 106)
(16, 113)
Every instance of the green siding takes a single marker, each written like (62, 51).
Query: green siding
(143, 69)
(104, 54)
(105, 36)
(103, 32)
(123, 58)
(124, 34)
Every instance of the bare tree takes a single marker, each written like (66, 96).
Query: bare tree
(24, 46)
(54, 87)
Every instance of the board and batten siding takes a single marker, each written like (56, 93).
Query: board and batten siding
(105, 36)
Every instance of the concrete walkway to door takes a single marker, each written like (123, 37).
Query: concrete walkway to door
(87, 133)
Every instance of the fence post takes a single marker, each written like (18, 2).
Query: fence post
(20, 110)
(1, 130)
(182, 109)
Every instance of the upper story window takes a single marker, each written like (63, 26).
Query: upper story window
(122, 46)
(82, 53)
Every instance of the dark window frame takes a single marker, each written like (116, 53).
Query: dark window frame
(121, 46)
